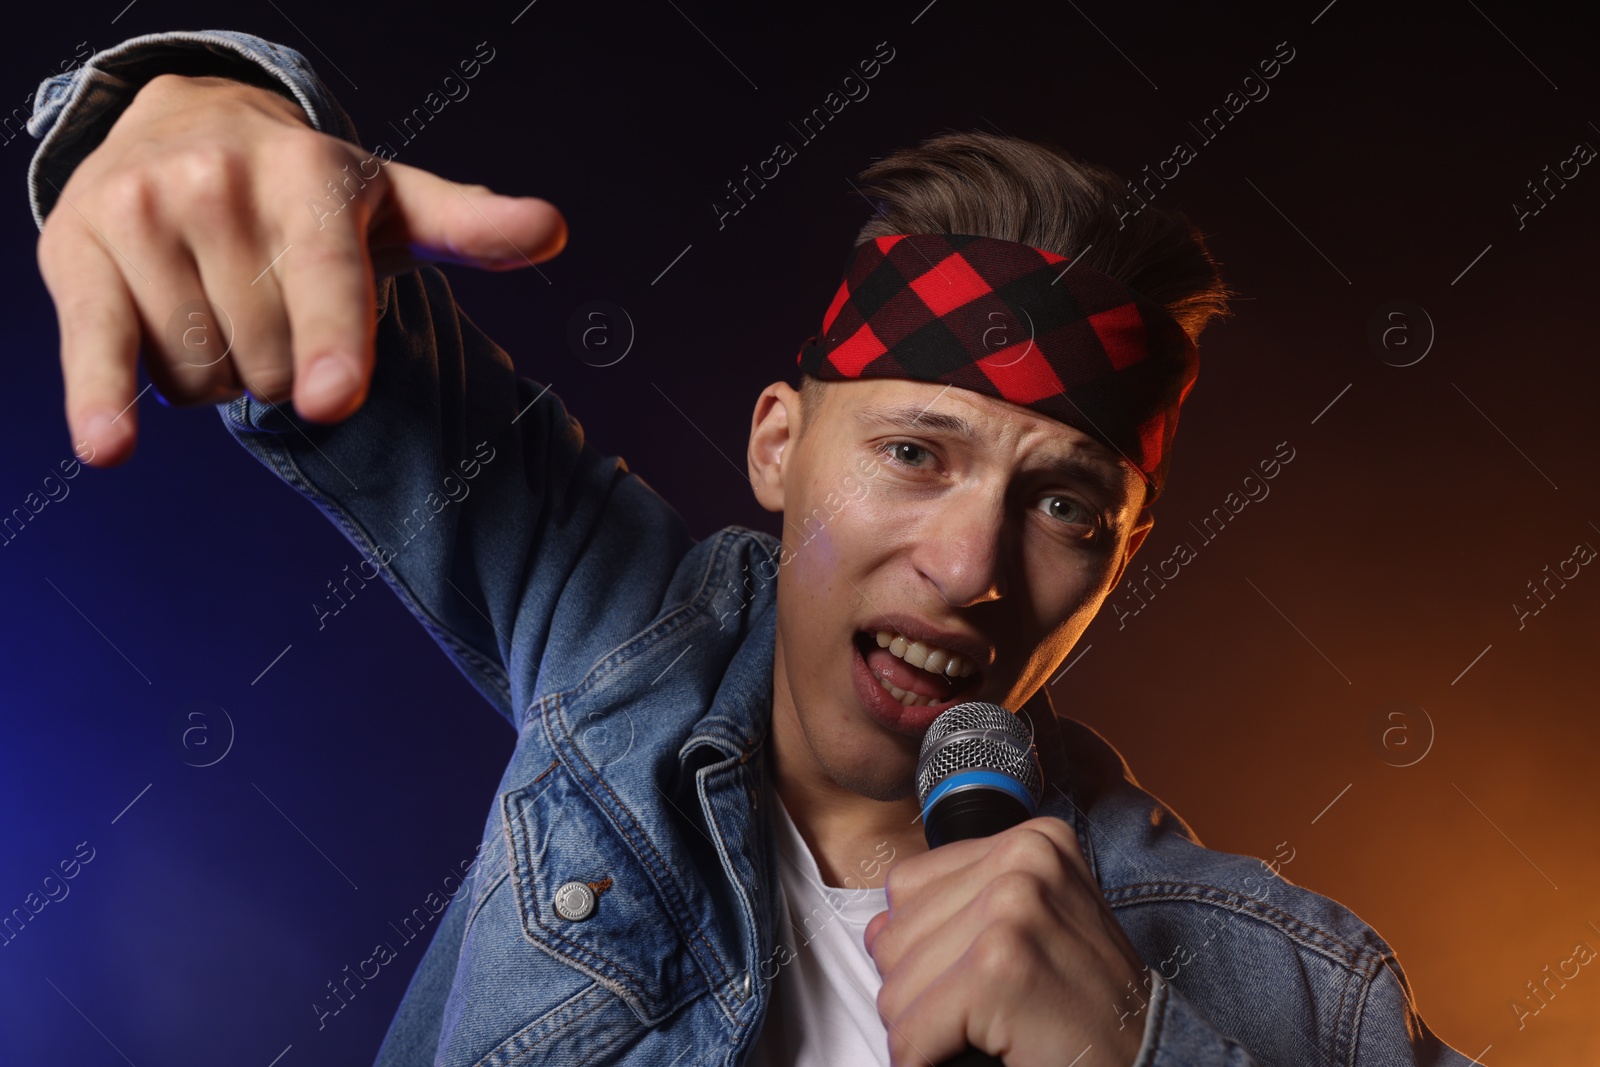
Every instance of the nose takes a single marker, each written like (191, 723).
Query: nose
(964, 551)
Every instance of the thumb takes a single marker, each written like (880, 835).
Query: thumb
(426, 217)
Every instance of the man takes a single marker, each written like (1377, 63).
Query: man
(716, 737)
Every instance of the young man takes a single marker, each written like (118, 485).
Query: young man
(705, 848)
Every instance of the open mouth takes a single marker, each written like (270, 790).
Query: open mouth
(914, 673)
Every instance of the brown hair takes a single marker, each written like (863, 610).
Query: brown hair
(1033, 193)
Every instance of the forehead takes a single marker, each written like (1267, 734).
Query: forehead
(996, 426)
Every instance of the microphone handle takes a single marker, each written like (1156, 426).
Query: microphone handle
(960, 817)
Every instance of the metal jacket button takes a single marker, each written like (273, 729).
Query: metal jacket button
(575, 901)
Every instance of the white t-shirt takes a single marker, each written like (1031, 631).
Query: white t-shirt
(824, 1009)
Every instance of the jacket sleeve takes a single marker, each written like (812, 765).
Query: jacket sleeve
(1390, 1032)
(525, 552)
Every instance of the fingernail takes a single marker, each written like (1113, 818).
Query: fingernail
(329, 378)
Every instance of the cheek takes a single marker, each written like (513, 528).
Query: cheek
(1065, 598)
(807, 583)
(818, 557)
(1064, 584)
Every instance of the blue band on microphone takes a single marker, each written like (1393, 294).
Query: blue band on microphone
(983, 779)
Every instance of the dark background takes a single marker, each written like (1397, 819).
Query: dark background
(1357, 619)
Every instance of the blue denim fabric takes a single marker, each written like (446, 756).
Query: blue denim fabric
(636, 665)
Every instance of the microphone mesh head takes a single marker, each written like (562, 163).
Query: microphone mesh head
(977, 735)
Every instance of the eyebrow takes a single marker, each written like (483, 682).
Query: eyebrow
(909, 417)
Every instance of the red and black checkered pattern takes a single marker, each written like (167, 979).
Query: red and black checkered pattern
(1017, 323)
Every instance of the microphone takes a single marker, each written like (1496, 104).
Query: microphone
(977, 774)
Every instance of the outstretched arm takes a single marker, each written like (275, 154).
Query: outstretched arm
(174, 205)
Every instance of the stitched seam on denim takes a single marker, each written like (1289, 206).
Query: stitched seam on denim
(662, 626)
(1338, 1018)
(669, 623)
(1293, 927)
(1248, 905)
(521, 1048)
(522, 1055)
(1348, 1031)
(729, 768)
(523, 909)
(685, 614)
(679, 617)
(1161, 1022)
(283, 462)
(583, 955)
(484, 899)
(686, 914)
(1265, 920)
(1087, 830)
(591, 1055)
(517, 1044)
(1295, 1031)
(676, 907)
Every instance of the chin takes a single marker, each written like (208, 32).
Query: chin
(865, 759)
(874, 784)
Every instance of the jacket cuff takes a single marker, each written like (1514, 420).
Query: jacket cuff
(72, 112)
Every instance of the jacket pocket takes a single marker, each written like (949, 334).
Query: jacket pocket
(591, 1027)
(555, 838)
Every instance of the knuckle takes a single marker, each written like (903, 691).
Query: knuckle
(884, 947)
(164, 85)
(128, 195)
(884, 1001)
(1012, 893)
(206, 173)
(997, 949)
(305, 149)
(325, 167)
(1025, 850)
(1055, 830)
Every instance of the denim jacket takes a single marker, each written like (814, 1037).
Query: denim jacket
(636, 665)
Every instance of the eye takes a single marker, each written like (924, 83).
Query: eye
(1069, 511)
(906, 453)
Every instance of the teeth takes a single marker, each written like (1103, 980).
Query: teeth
(930, 658)
(909, 699)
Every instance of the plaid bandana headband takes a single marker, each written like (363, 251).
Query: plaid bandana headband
(1017, 323)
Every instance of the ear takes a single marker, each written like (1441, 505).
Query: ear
(773, 425)
(1135, 538)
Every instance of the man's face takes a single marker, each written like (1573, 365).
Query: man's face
(915, 512)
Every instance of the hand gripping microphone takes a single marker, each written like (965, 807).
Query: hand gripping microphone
(977, 774)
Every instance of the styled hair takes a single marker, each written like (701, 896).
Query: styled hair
(1012, 189)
